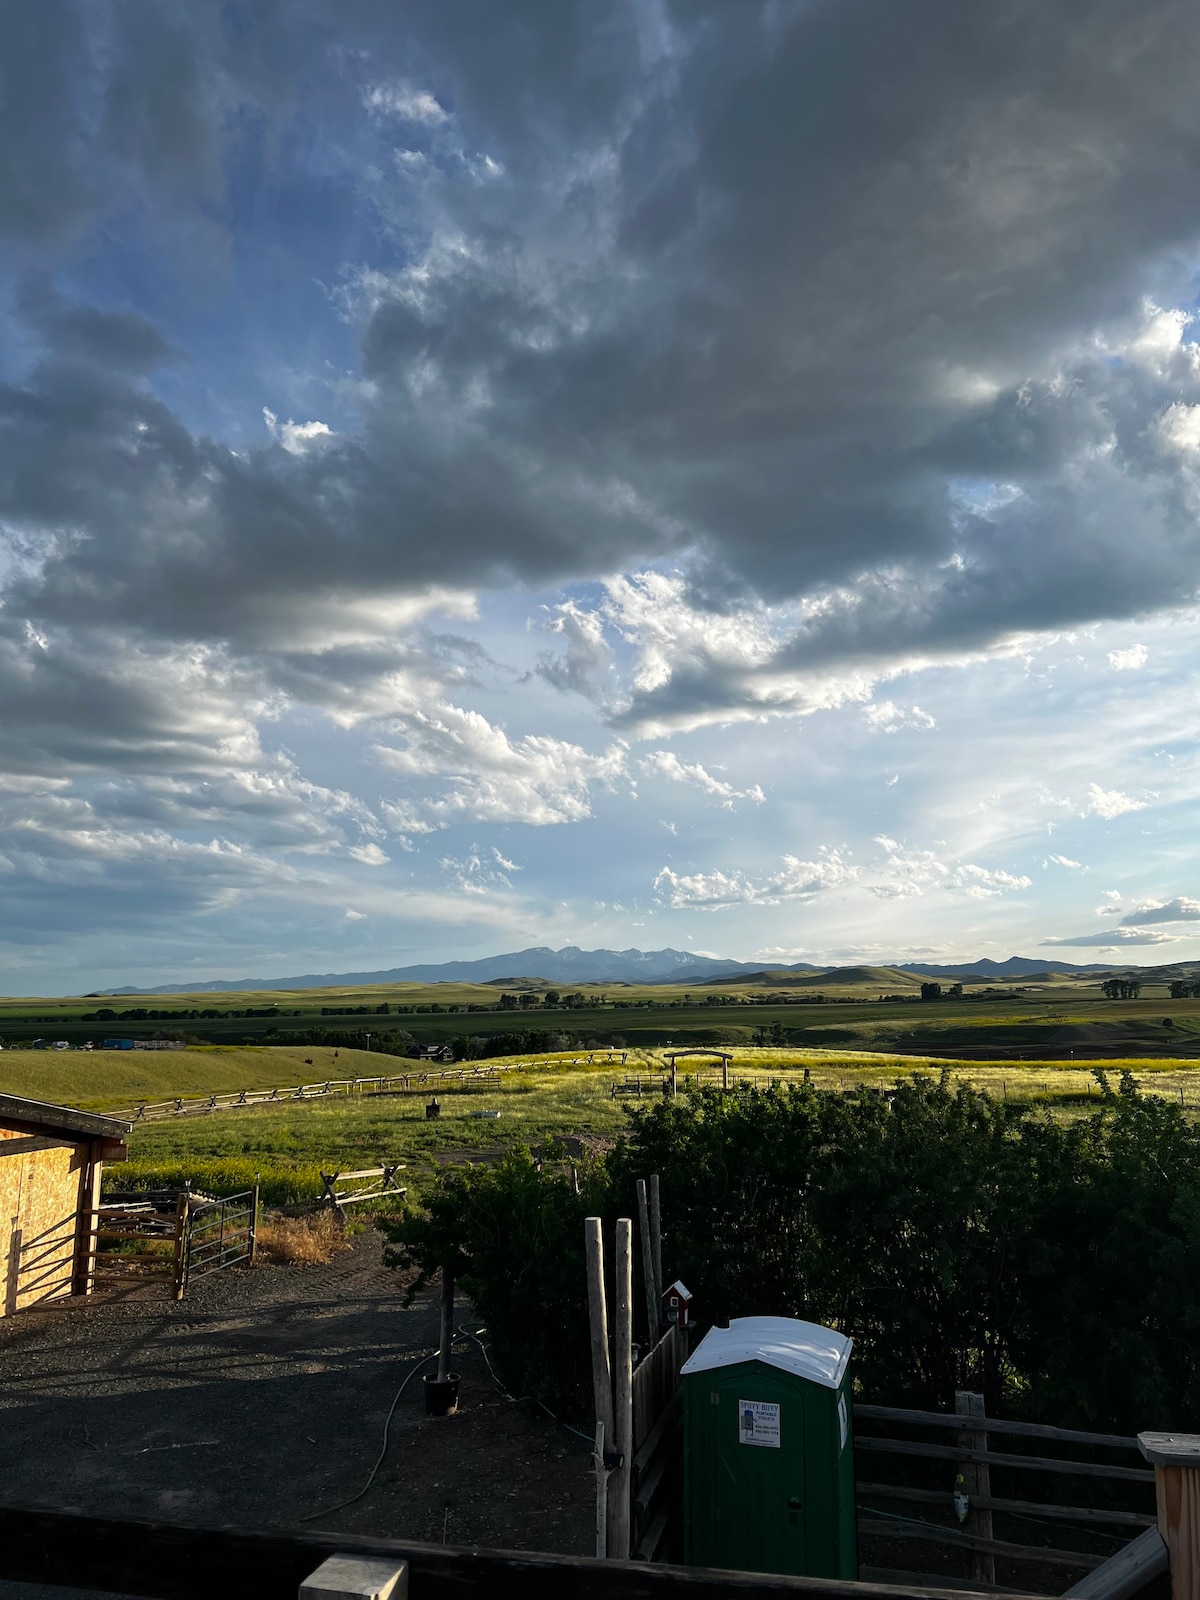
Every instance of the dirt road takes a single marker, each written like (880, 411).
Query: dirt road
(261, 1400)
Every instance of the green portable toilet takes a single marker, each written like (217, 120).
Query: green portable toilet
(768, 1454)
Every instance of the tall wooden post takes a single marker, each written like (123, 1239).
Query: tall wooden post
(977, 1484)
(656, 1238)
(447, 1329)
(647, 1264)
(621, 1480)
(182, 1222)
(601, 1371)
(89, 1222)
(724, 1072)
(1175, 1458)
(601, 1494)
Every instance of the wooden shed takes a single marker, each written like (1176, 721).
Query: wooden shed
(51, 1158)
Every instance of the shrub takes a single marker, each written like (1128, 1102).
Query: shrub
(960, 1241)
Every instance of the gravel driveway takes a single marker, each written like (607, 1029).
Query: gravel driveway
(261, 1399)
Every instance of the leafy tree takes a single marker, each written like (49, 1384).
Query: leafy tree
(551, 998)
(931, 991)
(513, 1237)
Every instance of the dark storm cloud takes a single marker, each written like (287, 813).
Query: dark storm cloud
(751, 287)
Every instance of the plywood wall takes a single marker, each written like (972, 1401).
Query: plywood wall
(41, 1181)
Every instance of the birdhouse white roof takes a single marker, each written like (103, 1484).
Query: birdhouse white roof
(681, 1289)
(805, 1348)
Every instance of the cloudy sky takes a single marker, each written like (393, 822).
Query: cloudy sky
(717, 475)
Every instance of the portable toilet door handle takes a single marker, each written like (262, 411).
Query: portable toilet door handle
(794, 1504)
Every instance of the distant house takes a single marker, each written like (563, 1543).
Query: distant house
(51, 1158)
(435, 1052)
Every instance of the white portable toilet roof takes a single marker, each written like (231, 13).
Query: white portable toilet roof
(805, 1348)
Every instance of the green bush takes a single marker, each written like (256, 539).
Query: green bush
(962, 1242)
(513, 1238)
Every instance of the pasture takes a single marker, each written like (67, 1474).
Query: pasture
(555, 1097)
(863, 1008)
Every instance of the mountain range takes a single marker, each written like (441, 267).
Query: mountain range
(573, 965)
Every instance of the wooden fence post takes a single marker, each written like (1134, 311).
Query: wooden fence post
(86, 1241)
(647, 1264)
(181, 1245)
(976, 1484)
(601, 1369)
(619, 1487)
(1175, 1458)
(253, 1224)
(656, 1242)
(354, 1577)
(601, 1493)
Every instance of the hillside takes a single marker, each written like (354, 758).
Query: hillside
(573, 965)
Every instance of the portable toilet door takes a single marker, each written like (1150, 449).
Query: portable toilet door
(768, 1452)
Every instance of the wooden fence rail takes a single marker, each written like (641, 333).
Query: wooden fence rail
(972, 1498)
(656, 1485)
(198, 1105)
(168, 1562)
(378, 1181)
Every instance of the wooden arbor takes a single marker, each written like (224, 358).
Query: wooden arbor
(723, 1056)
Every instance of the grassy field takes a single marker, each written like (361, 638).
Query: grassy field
(287, 1145)
(1048, 1014)
(105, 1080)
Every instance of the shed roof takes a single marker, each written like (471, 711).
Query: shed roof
(804, 1348)
(36, 1113)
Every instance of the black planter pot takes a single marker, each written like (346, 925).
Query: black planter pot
(441, 1395)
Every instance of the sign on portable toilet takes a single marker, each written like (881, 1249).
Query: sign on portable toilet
(768, 1454)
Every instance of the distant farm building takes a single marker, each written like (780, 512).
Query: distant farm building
(436, 1052)
(51, 1158)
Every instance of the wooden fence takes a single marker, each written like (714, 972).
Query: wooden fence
(168, 1562)
(371, 1183)
(656, 1484)
(198, 1105)
(961, 1513)
(170, 1237)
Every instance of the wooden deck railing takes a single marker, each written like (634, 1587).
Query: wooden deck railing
(932, 1519)
(169, 1562)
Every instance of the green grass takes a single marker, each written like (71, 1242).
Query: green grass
(289, 1145)
(105, 1080)
(286, 1146)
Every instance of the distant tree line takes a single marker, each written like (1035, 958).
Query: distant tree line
(962, 1242)
(934, 991)
(143, 1014)
(1121, 988)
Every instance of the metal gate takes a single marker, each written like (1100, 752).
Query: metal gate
(220, 1234)
(172, 1236)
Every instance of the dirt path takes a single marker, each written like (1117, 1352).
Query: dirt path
(261, 1400)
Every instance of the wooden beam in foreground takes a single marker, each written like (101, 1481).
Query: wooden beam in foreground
(169, 1562)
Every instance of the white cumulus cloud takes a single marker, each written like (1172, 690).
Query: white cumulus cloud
(795, 880)
(1130, 660)
(668, 765)
(1109, 803)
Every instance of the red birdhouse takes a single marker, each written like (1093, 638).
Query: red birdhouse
(676, 1306)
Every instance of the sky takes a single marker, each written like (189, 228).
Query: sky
(476, 476)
